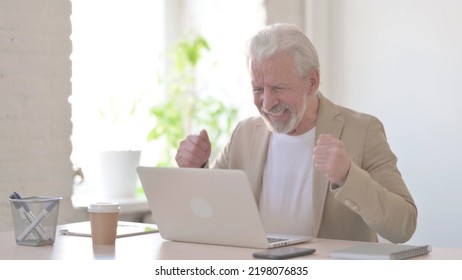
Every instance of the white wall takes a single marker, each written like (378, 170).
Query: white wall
(35, 124)
(401, 60)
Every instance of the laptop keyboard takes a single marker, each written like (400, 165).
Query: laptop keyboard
(274, 239)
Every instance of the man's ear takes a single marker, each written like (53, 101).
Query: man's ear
(314, 80)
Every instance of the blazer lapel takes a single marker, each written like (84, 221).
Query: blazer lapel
(259, 152)
(329, 121)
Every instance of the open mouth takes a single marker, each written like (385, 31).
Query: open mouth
(277, 115)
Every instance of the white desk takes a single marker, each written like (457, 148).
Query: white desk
(152, 246)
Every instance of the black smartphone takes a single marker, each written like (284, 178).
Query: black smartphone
(284, 253)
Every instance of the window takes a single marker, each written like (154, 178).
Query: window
(119, 51)
(115, 63)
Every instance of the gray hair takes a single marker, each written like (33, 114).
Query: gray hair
(284, 38)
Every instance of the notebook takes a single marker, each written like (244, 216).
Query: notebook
(380, 251)
(210, 206)
(124, 229)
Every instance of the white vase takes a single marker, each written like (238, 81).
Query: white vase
(116, 172)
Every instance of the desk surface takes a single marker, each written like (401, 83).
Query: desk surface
(152, 246)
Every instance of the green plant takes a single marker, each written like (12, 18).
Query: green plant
(116, 111)
(184, 109)
(120, 122)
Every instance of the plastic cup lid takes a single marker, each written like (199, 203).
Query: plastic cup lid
(104, 207)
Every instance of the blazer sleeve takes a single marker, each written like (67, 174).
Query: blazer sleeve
(375, 190)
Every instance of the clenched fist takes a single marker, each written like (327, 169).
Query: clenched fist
(331, 159)
(194, 150)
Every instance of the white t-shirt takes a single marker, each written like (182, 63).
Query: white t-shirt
(286, 197)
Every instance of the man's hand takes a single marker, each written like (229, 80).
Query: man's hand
(194, 150)
(331, 159)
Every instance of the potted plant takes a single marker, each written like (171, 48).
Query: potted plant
(185, 109)
(110, 169)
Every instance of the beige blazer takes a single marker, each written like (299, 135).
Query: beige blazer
(374, 198)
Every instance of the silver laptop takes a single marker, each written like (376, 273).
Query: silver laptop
(211, 206)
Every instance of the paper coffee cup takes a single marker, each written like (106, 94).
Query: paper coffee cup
(103, 219)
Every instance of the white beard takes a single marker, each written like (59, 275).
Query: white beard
(284, 127)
